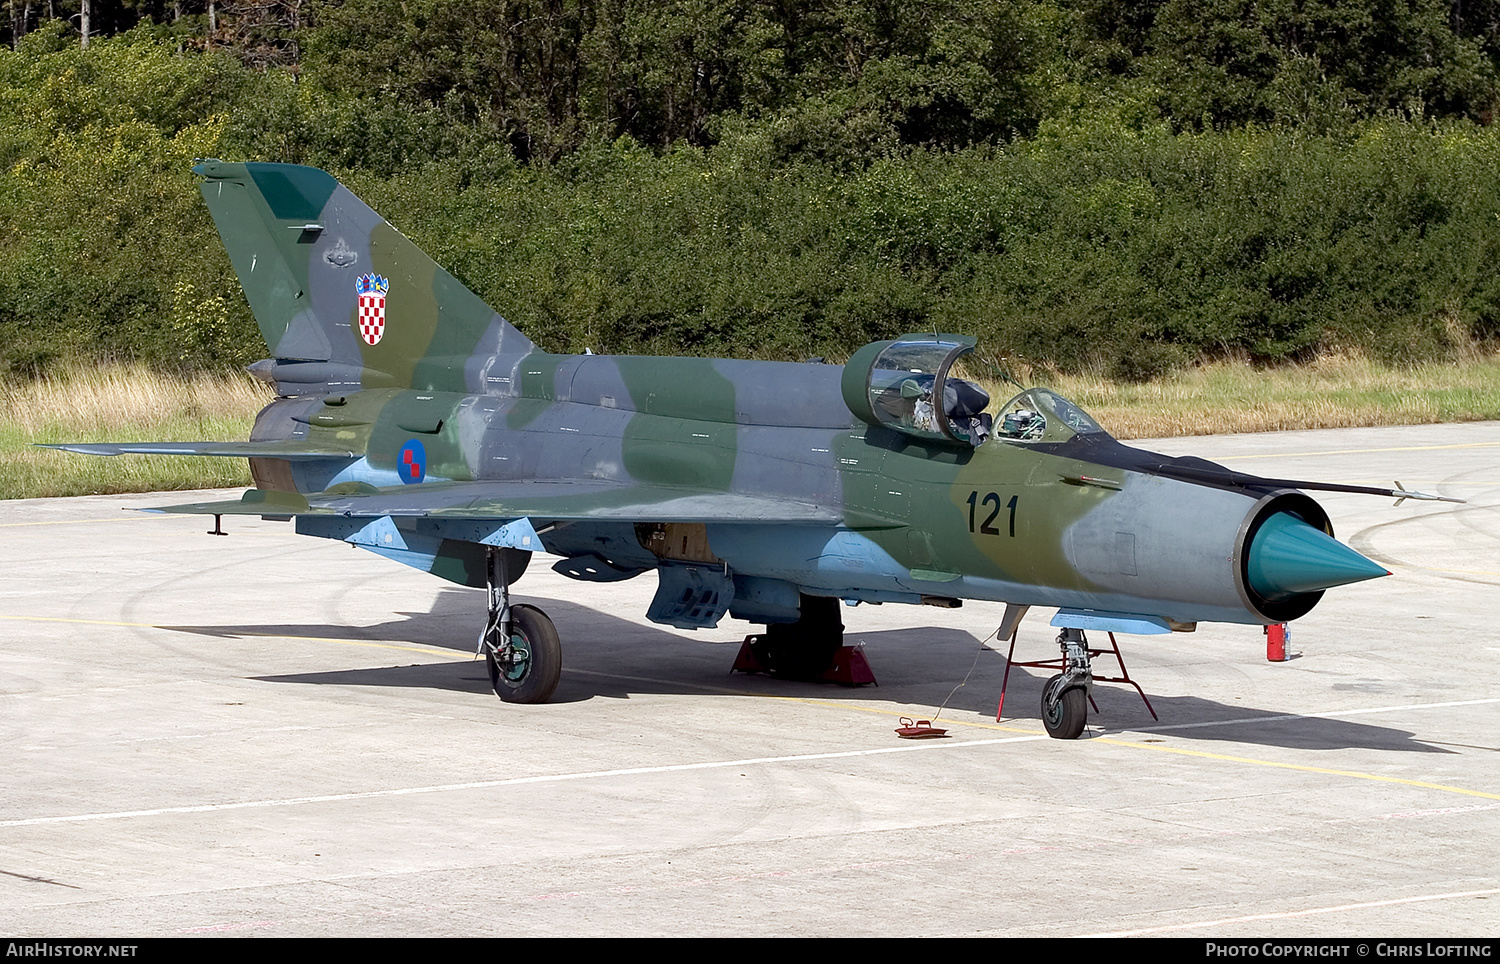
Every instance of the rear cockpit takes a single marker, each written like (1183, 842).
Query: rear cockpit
(908, 385)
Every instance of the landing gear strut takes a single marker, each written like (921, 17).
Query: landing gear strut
(805, 649)
(1065, 698)
(520, 645)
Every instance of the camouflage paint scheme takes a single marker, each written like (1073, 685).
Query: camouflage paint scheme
(749, 486)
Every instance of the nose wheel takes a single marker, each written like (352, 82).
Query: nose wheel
(1065, 698)
(1064, 711)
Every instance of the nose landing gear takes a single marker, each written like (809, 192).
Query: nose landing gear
(1066, 697)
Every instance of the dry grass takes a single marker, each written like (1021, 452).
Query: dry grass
(114, 403)
(1337, 391)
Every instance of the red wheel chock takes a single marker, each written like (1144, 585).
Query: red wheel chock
(849, 666)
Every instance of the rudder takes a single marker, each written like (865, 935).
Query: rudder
(344, 300)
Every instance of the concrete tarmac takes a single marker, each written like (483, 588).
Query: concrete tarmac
(273, 735)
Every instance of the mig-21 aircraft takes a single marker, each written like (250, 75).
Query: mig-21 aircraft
(413, 421)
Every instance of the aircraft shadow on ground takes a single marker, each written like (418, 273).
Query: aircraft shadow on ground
(608, 657)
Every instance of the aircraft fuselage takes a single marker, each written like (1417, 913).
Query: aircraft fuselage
(1011, 521)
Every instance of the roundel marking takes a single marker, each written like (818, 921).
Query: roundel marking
(411, 461)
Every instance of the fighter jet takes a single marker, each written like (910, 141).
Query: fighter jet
(413, 421)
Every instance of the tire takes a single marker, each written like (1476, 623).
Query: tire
(533, 679)
(804, 650)
(1065, 715)
(797, 655)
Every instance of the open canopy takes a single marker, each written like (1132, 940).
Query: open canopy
(907, 385)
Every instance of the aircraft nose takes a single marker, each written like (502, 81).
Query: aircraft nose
(1288, 556)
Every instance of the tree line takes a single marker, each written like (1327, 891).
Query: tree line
(1132, 186)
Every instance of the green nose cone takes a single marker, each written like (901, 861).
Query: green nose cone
(1288, 556)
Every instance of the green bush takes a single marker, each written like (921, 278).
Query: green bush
(1105, 240)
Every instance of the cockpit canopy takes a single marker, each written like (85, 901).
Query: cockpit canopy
(906, 385)
(1039, 415)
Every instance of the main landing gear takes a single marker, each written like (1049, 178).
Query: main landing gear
(520, 645)
(803, 650)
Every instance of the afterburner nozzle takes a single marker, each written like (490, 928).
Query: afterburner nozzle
(1288, 556)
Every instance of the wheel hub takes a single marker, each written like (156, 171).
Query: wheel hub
(514, 659)
(1051, 705)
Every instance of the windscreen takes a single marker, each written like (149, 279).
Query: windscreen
(1040, 415)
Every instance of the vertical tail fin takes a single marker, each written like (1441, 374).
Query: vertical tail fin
(343, 299)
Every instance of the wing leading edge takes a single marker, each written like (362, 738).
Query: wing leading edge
(294, 449)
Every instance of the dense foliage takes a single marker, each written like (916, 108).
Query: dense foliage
(1077, 182)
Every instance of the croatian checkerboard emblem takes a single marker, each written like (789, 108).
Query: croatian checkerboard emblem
(411, 462)
(372, 289)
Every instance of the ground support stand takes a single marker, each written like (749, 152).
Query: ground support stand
(1061, 664)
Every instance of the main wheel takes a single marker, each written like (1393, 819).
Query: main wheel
(796, 655)
(529, 673)
(803, 650)
(1065, 713)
